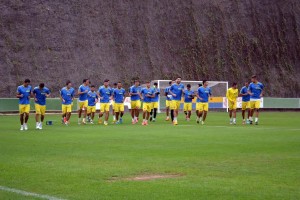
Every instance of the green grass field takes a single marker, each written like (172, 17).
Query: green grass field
(214, 161)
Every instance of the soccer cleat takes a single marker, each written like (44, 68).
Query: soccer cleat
(118, 122)
(121, 121)
(99, 121)
(250, 122)
(146, 123)
(153, 120)
(175, 123)
(197, 121)
(40, 126)
(244, 122)
(91, 121)
(234, 123)
(25, 127)
(143, 124)
(105, 123)
(167, 119)
(202, 122)
(37, 126)
(22, 128)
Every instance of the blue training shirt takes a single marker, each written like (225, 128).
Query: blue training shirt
(204, 94)
(40, 95)
(156, 96)
(167, 91)
(84, 96)
(148, 91)
(177, 89)
(92, 96)
(119, 95)
(105, 93)
(67, 95)
(26, 91)
(244, 90)
(188, 96)
(256, 89)
(134, 89)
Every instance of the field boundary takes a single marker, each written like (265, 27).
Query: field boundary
(25, 193)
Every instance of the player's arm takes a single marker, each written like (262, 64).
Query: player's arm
(61, 97)
(174, 95)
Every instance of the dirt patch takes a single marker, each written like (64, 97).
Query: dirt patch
(146, 177)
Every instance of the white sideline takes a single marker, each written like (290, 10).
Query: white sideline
(24, 193)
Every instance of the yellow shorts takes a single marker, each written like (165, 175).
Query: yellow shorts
(104, 107)
(24, 108)
(91, 109)
(175, 105)
(66, 108)
(187, 106)
(113, 104)
(39, 109)
(154, 105)
(135, 104)
(254, 104)
(168, 103)
(83, 104)
(202, 106)
(245, 105)
(232, 105)
(119, 107)
(147, 107)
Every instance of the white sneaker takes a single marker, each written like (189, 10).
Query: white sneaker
(40, 126)
(202, 122)
(37, 126)
(22, 128)
(25, 127)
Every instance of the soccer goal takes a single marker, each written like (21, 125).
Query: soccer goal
(218, 89)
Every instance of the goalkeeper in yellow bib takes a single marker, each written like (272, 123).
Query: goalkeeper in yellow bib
(232, 95)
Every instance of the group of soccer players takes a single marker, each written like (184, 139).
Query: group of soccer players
(147, 97)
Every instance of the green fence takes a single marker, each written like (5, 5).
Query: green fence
(288, 103)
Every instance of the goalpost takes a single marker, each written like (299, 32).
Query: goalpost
(218, 89)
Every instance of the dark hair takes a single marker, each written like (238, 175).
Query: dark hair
(84, 80)
(254, 76)
(119, 82)
(199, 84)
(204, 81)
(155, 83)
(179, 77)
(106, 80)
(170, 82)
(92, 86)
(42, 85)
(188, 85)
(136, 80)
(234, 84)
(147, 82)
(27, 80)
(115, 83)
(68, 82)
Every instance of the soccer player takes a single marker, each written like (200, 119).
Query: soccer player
(83, 100)
(176, 91)
(119, 97)
(113, 103)
(188, 98)
(40, 94)
(256, 90)
(92, 100)
(168, 100)
(198, 104)
(245, 102)
(135, 96)
(24, 93)
(232, 94)
(67, 96)
(204, 93)
(154, 102)
(148, 94)
(105, 95)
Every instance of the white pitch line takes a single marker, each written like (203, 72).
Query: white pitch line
(24, 193)
(262, 128)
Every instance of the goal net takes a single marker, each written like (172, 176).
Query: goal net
(218, 89)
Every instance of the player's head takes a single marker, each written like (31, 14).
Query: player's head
(254, 79)
(199, 84)
(68, 84)
(136, 82)
(148, 84)
(86, 81)
(93, 88)
(205, 83)
(170, 82)
(106, 82)
(234, 85)
(155, 84)
(26, 82)
(119, 85)
(42, 85)
(115, 85)
(178, 80)
(188, 86)
(247, 83)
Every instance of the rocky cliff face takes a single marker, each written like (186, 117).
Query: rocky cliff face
(52, 41)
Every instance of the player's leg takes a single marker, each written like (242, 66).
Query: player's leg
(21, 112)
(80, 111)
(167, 110)
(252, 107)
(257, 106)
(151, 111)
(185, 111)
(84, 110)
(137, 110)
(37, 116)
(205, 110)
(121, 110)
(106, 108)
(69, 113)
(101, 111)
(43, 112)
(26, 113)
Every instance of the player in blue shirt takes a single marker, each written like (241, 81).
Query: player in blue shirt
(113, 103)
(135, 97)
(155, 100)
(198, 105)
(245, 101)
(67, 94)
(92, 100)
(83, 100)
(40, 94)
(204, 93)
(24, 93)
(148, 94)
(119, 97)
(176, 90)
(188, 98)
(105, 95)
(255, 90)
(168, 101)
